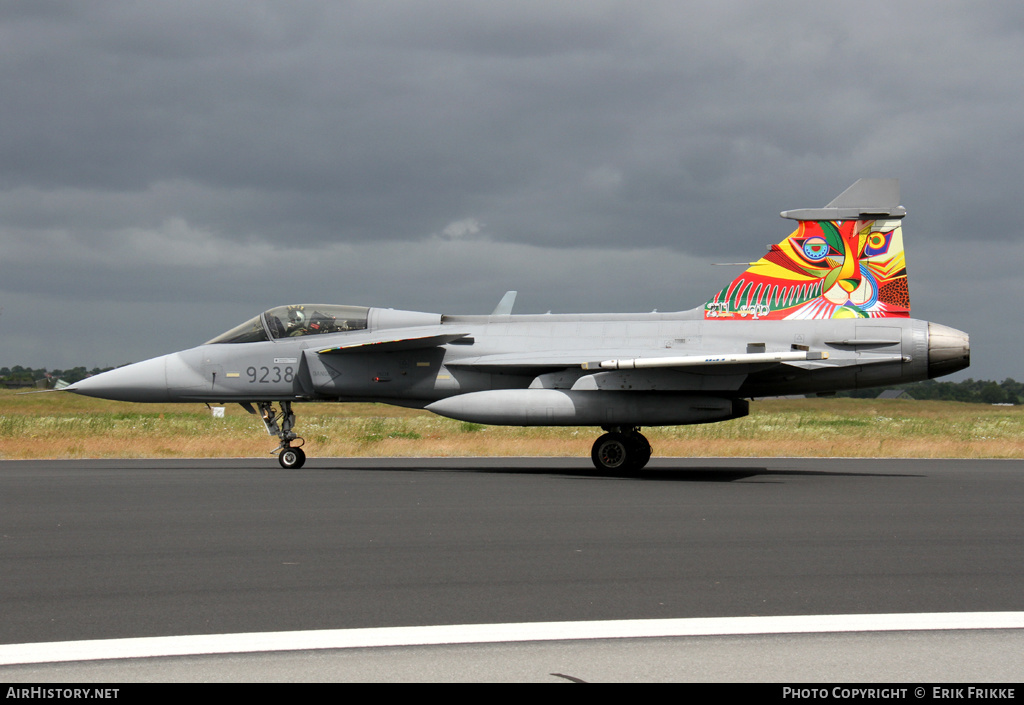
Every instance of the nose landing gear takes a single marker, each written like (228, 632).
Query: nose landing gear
(621, 449)
(280, 424)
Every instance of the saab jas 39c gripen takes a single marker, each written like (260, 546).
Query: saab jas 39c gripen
(826, 309)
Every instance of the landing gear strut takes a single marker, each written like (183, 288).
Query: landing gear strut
(621, 449)
(280, 424)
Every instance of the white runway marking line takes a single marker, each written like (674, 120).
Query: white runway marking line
(149, 647)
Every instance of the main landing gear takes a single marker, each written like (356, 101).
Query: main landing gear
(280, 424)
(621, 448)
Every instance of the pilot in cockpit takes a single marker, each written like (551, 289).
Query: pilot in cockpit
(296, 321)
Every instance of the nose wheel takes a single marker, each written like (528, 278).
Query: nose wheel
(621, 450)
(291, 458)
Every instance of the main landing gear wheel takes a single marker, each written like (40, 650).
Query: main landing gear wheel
(610, 452)
(641, 450)
(617, 450)
(292, 458)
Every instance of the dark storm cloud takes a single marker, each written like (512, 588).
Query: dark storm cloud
(421, 155)
(360, 121)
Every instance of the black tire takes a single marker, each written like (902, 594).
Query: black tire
(292, 458)
(611, 452)
(639, 451)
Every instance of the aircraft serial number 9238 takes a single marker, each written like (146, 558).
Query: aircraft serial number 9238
(826, 309)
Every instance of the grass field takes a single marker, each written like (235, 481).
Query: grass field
(60, 425)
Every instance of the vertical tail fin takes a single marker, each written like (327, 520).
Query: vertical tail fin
(845, 260)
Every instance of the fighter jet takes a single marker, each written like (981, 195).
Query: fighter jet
(826, 309)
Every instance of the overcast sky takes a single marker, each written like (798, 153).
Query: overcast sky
(170, 169)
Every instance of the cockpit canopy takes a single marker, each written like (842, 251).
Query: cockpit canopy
(294, 321)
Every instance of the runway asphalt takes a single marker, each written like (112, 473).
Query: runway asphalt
(116, 549)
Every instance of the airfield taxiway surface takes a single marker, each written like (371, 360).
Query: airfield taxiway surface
(114, 549)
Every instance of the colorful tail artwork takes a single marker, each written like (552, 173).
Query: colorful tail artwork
(845, 260)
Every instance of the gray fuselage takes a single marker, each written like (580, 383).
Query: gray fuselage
(534, 368)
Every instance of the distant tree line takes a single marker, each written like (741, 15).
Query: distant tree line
(19, 376)
(978, 391)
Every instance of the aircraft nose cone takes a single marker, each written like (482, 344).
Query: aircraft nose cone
(145, 381)
(949, 350)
